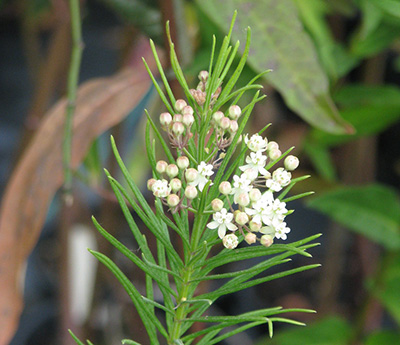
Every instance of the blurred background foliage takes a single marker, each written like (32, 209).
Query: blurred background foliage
(333, 93)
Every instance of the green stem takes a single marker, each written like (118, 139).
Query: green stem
(72, 86)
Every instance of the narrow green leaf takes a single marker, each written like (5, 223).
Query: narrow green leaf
(148, 318)
(75, 338)
(129, 342)
(158, 305)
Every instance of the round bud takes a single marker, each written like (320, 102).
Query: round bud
(217, 205)
(291, 163)
(230, 241)
(188, 120)
(225, 188)
(241, 218)
(161, 166)
(191, 174)
(199, 96)
(225, 123)
(272, 145)
(175, 184)
(173, 200)
(191, 192)
(182, 162)
(217, 116)
(243, 199)
(274, 154)
(172, 170)
(254, 194)
(250, 238)
(267, 240)
(150, 183)
(177, 118)
(165, 119)
(254, 226)
(203, 76)
(234, 112)
(179, 105)
(251, 174)
(178, 128)
(187, 110)
(233, 126)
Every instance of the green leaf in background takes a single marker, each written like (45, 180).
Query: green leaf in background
(388, 291)
(334, 57)
(321, 159)
(280, 42)
(370, 109)
(372, 211)
(383, 337)
(391, 7)
(371, 18)
(329, 331)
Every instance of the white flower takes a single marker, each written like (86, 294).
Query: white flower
(280, 178)
(222, 220)
(161, 188)
(230, 241)
(278, 209)
(240, 185)
(281, 230)
(256, 143)
(261, 210)
(256, 161)
(277, 228)
(205, 171)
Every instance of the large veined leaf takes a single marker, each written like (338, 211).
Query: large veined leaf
(388, 291)
(370, 109)
(280, 43)
(373, 211)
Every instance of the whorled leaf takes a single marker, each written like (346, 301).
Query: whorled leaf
(280, 42)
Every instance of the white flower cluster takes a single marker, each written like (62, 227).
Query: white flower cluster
(258, 211)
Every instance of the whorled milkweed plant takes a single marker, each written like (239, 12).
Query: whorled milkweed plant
(234, 184)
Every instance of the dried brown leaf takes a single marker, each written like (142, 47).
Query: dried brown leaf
(101, 104)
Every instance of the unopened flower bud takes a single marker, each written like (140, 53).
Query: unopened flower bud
(165, 119)
(233, 127)
(150, 183)
(234, 112)
(178, 128)
(250, 238)
(254, 194)
(241, 218)
(175, 184)
(291, 163)
(182, 162)
(179, 105)
(173, 200)
(225, 188)
(172, 170)
(254, 226)
(188, 120)
(230, 241)
(203, 76)
(267, 240)
(217, 116)
(161, 166)
(272, 145)
(225, 123)
(191, 174)
(191, 192)
(243, 199)
(199, 96)
(217, 205)
(187, 110)
(177, 118)
(274, 154)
